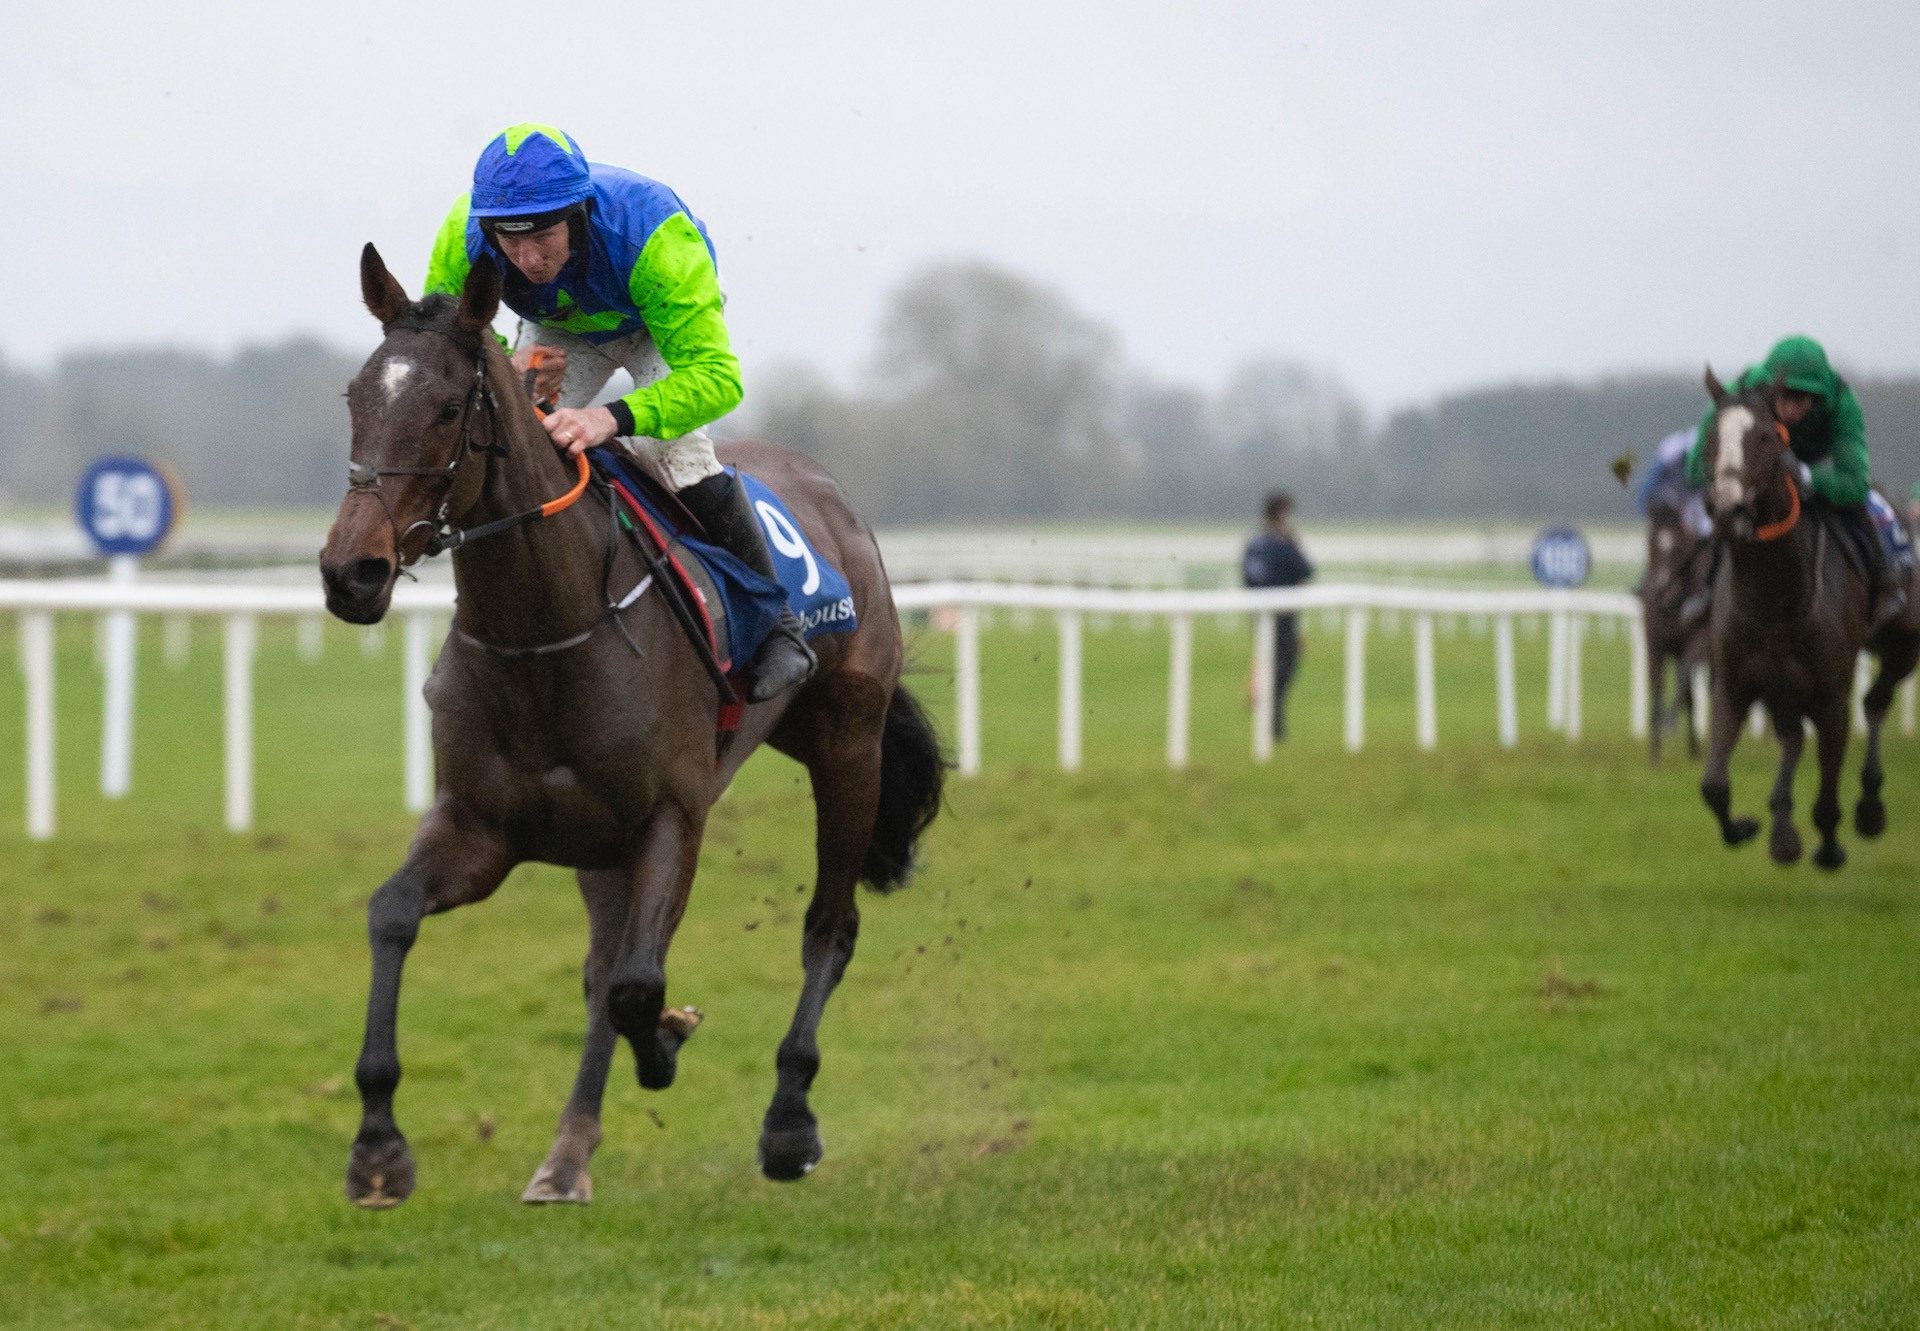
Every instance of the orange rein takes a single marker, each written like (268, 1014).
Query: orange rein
(566, 500)
(1773, 531)
(553, 506)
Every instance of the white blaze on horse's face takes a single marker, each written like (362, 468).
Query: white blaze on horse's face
(393, 374)
(1663, 541)
(1729, 485)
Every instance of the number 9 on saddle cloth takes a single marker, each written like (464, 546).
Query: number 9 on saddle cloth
(749, 604)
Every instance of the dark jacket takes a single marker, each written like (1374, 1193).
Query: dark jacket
(1274, 561)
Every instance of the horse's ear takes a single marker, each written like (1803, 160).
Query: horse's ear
(1715, 389)
(480, 297)
(383, 294)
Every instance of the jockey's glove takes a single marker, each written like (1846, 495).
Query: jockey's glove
(1803, 474)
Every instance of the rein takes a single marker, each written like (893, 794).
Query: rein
(1773, 531)
(441, 534)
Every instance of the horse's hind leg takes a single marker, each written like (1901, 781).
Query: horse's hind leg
(1783, 842)
(453, 860)
(562, 1176)
(1724, 716)
(1870, 814)
(1830, 733)
(842, 752)
(637, 988)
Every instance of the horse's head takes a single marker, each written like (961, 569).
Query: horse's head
(418, 433)
(1670, 536)
(1746, 453)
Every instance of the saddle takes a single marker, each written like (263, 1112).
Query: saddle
(725, 607)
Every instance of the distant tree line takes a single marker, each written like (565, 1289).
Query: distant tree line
(990, 397)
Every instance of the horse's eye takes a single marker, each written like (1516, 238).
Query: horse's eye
(448, 412)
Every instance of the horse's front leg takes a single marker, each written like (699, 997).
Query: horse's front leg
(1830, 734)
(659, 885)
(562, 1176)
(1723, 727)
(844, 763)
(1783, 842)
(454, 859)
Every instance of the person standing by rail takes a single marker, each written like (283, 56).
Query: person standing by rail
(1274, 559)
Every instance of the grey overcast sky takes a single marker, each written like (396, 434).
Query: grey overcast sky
(1417, 196)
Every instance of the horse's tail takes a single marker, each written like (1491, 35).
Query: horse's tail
(912, 772)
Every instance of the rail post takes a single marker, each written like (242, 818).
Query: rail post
(966, 665)
(1575, 630)
(419, 722)
(1264, 633)
(1179, 690)
(1425, 722)
(116, 717)
(36, 663)
(1862, 676)
(1637, 694)
(242, 631)
(1070, 676)
(1508, 702)
(1356, 701)
(1556, 670)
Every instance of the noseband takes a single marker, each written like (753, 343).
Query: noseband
(442, 535)
(363, 479)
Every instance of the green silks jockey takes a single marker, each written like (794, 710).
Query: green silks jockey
(610, 270)
(1828, 436)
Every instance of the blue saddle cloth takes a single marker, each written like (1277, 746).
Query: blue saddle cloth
(750, 604)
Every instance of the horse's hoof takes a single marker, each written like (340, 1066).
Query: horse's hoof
(1830, 856)
(380, 1175)
(1739, 831)
(553, 1184)
(681, 1022)
(1785, 844)
(1870, 817)
(790, 1154)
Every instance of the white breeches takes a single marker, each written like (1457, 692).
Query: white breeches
(685, 460)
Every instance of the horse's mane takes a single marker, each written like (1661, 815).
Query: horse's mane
(438, 313)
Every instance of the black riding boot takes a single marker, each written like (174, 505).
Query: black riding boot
(1886, 582)
(721, 505)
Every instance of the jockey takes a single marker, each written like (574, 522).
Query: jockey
(610, 270)
(1829, 441)
(1666, 484)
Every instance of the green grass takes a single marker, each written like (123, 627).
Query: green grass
(1467, 1038)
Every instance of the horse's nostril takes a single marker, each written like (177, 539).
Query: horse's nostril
(369, 574)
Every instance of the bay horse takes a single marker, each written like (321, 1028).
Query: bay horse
(1789, 619)
(576, 727)
(1676, 569)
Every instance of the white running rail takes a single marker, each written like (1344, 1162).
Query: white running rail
(959, 606)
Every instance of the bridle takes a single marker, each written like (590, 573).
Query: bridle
(1773, 531)
(441, 534)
